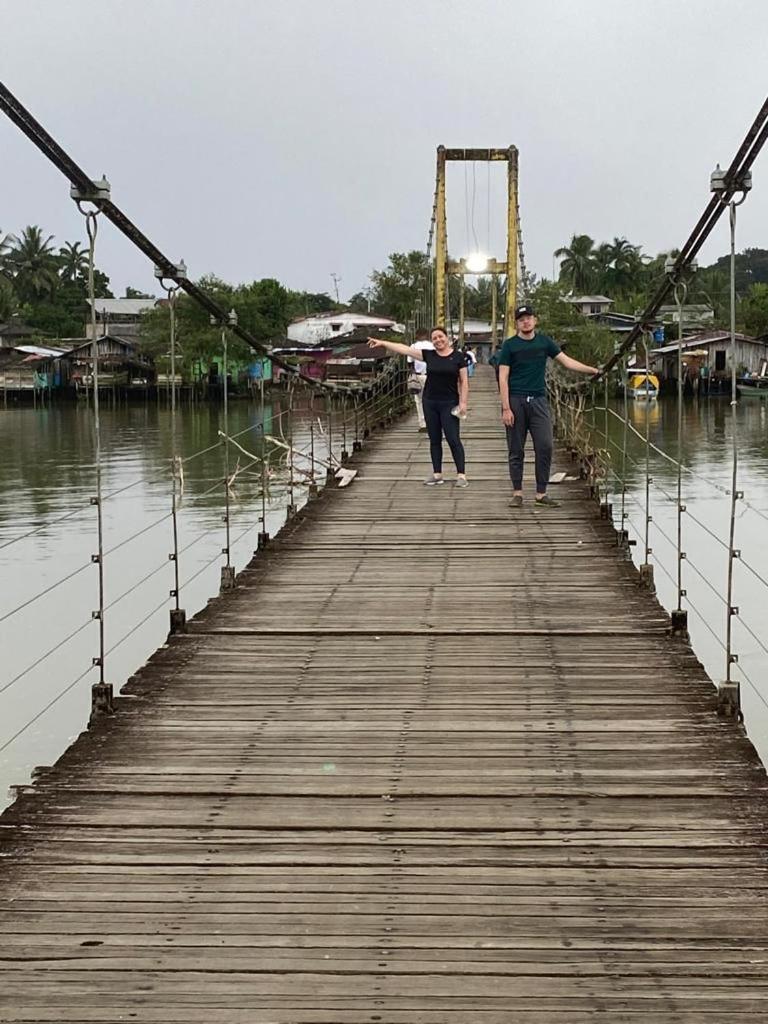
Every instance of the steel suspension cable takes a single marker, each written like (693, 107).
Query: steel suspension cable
(91, 225)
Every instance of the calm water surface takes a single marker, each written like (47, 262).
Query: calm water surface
(47, 478)
(707, 456)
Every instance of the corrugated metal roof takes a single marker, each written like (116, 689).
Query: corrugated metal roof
(702, 341)
(39, 350)
(123, 307)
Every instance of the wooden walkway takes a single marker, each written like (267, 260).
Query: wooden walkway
(436, 761)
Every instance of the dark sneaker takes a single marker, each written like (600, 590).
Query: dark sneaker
(549, 502)
(517, 501)
(434, 481)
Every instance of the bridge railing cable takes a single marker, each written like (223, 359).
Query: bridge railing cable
(290, 453)
(619, 462)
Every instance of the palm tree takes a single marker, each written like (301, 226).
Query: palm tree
(5, 244)
(32, 264)
(603, 261)
(578, 269)
(73, 262)
(626, 266)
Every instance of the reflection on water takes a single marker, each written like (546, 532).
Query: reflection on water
(707, 445)
(47, 480)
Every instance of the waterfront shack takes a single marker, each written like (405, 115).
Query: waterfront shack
(121, 364)
(707, 358)
(31, 370)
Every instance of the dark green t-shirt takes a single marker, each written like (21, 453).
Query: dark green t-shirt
(527, 362)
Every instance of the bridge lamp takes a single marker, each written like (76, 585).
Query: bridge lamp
(476, 262)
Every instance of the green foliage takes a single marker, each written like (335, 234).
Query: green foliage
(397, 287)
(262, 307)
(580, 265)
(361, 302)
(8, 300)
(62, 315)
(46, 289)
(711, 285)
(309, 303)
(73, 262)
(32, 264)
(136, 293)
(754, 310)
(621, 271)
(751, 268)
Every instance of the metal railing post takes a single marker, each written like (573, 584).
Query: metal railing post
(646, 569)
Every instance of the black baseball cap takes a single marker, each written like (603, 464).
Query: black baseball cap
(525, 310)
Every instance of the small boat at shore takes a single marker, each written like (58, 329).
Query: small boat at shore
(642, 385)
(754, 387)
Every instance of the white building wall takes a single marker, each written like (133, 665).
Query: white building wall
(313, 330)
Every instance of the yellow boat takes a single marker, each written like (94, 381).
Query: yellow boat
(642, 385)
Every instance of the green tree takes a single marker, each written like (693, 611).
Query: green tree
(754, 310)
(751, 268)
(602, 261)
(32, 264)
(262, 308)
(711, 285)
(7, 299)
(5, 245)
(578, 269)
(307, 303)
(625, 268)
(136, 293)
(73, 262)
(400, 284)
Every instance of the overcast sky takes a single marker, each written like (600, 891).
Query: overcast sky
(296, 138)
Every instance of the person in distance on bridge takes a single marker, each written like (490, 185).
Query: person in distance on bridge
(418, 377)
(444, 399)
(524, 407)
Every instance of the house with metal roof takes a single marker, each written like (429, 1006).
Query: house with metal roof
(120, 318)
(587, 304)
(713, 351)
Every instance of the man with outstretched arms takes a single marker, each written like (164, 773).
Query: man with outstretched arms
(524, 406)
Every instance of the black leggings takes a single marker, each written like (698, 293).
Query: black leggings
(440, 421)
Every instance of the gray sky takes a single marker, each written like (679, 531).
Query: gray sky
(295, 139)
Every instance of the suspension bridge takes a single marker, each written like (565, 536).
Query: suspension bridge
(424, 759)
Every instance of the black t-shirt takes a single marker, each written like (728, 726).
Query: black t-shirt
(443, 376)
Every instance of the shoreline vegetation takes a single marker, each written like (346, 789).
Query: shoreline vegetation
(43, 287)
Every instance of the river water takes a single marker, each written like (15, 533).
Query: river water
(48, 535)
(707, 458)
(47, 478)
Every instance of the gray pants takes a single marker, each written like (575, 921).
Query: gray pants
(531, 416)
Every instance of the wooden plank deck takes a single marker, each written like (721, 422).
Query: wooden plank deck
(436, 761)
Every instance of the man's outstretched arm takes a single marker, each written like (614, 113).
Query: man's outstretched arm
(574, 364)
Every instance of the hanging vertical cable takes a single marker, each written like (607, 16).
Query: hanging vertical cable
(679, 615)
(624, 532)
(101, 692)
(227, 570)
(729, 698)
(178, 616)
(263, 535)
(646, 569)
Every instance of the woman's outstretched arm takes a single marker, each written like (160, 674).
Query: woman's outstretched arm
(397, 348)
